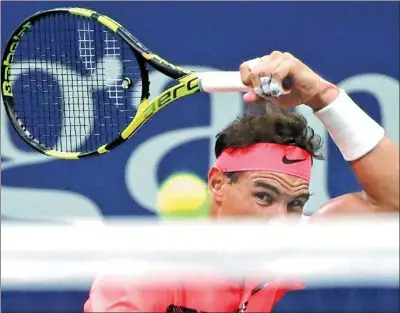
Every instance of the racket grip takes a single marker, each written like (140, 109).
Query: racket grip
(232, 82)
(221, 82)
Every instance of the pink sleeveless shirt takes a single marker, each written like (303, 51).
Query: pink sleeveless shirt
(214, 295)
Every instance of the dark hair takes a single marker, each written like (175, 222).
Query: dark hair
(276, 125)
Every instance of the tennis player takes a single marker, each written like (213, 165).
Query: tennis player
(263, 169)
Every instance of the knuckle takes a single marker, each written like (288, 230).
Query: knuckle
(287, 56)
(276, 53)
(243, 67)
(244, 75)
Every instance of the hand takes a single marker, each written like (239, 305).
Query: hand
(307, 87)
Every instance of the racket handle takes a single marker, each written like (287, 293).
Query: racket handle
(221, 82)
(231, 82)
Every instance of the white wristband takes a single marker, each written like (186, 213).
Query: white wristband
(352, 130)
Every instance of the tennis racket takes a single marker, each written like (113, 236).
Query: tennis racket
(75, 83)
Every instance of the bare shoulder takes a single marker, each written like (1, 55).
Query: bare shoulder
(352, 203)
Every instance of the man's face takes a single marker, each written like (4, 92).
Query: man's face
(257, 194)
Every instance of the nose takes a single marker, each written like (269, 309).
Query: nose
(279, 211)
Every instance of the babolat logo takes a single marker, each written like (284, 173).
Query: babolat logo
(6, 86)
(185, 88)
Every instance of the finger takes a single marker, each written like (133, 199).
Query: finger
(283, 71)
(269, 63)
(245, 71)
(252, 98)
(281, 80)
(255, 79)
(245, 74)
(264, 69)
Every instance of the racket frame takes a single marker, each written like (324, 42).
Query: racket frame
(188, 82)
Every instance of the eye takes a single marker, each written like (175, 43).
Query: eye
(264, 197)
(296, 204)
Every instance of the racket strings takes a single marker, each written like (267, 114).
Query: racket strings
(68, 78)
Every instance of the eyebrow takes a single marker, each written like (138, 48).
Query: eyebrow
(305, 196)
(267, 186)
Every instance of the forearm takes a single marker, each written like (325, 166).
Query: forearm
(377, 163)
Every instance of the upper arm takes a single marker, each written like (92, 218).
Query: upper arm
(121, 295)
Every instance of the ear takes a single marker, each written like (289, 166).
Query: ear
(216, 181)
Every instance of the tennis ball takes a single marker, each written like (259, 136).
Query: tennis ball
(183, 195)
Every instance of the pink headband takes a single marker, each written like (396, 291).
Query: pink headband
(267, 157)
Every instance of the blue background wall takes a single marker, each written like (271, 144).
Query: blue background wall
(353, 44)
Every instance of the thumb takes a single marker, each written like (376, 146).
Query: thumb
(252, 98)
